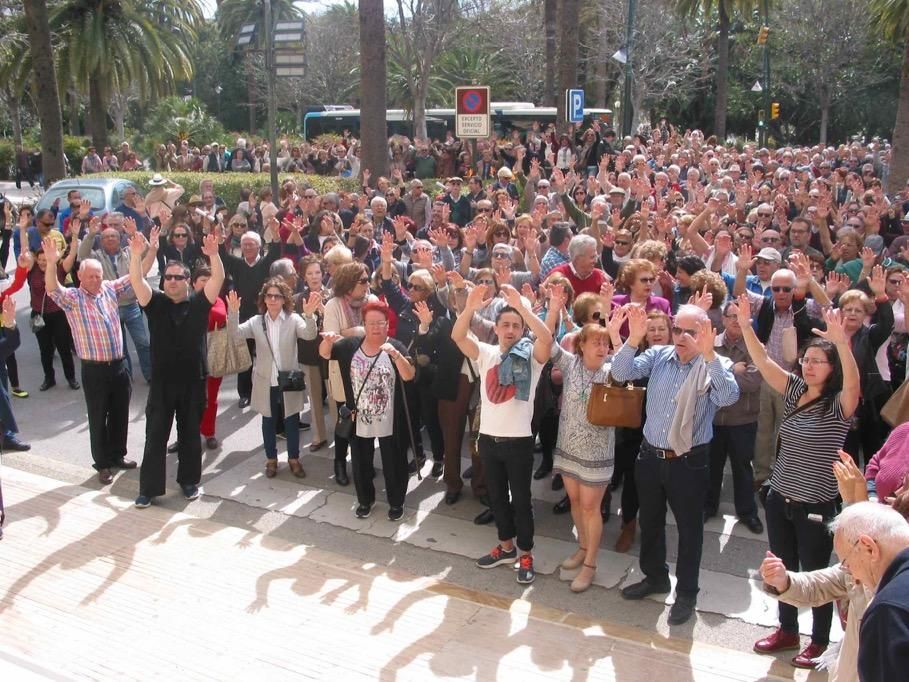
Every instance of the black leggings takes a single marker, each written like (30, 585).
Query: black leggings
(626, 452)
(12, 370)
(56, 335)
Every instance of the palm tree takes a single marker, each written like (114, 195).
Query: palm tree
(48, 99)
(891, 17)
(726, 10)
(373, 128)
(105, 46)
(550, 20)
(568, 56)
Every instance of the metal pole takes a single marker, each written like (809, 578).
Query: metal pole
(627, 113)
(766, 77)
(270, 94)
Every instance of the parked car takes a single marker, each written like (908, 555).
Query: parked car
(104, 193)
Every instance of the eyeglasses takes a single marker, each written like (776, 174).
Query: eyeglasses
(895, 282)
(363, 280)
(678, 331)
(174, 278)
(786, 290)
(417, 287)
(849, 554)
(500, 254)
(765, 215)
(377, 323)
(484, 210)
(180, 235)
(622, 242)
(487, 282)
(274, 297)
(853, 224)
(769, 240)
(422, 249)
(50, 224)
(812, 361)
(647, 280)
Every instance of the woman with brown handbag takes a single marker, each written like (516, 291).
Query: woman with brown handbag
(584, 452)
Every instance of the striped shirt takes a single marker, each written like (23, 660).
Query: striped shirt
(667, 374)
(95, 320)
(807, 446)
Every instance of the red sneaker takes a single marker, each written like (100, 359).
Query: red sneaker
(778, 641)
(806, 656)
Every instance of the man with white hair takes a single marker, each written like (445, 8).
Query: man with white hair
(872, 542)
(380, 219)
(688, 381)
(582, 270)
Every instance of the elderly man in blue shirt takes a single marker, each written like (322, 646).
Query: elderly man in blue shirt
(688, 383)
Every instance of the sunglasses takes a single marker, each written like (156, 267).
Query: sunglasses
(174, 278)
(647, 280)
(895, 282)
(486, 282)
(622, 242)
(274, 297)
(499, 254)
(765, 215)
(785, 290)
(180, 235)
(769, 240)
(484, 210)
(363, 280)
(678, 331)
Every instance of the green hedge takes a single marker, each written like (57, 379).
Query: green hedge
(228, 185)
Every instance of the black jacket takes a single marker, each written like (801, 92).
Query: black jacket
(801, 320)
(883, 654)
(865, 344)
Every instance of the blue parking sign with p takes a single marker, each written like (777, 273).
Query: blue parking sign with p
(575, 106)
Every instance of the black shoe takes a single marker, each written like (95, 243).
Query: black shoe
(605, 506)
(416, 463)
(563, 506)
(484, 517)
(48, 383)
(644, 588)
(753, 523)
(244, 402)
(341, 473)
(211, 443)
(304, 426)
(13, 443)
(468, 473)
(436, 470)
(73, 384)
(682, 610)
(363, 511)
(395, 513)
(173, 447)
(542, 471)
(557, 482)
(451, 498)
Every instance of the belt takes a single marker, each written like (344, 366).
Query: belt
(103, 363)
(663, 453)
(502, 439)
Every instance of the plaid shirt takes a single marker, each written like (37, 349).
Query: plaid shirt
(95, 320)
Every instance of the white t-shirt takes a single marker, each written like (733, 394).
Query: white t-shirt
(376, 407)
(501, 414)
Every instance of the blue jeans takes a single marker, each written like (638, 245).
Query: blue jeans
(291, 428)
(132, 320)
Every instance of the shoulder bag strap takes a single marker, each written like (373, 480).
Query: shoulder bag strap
(268, 341)
(366, 378)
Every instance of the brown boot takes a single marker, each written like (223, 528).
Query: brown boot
(626, 537)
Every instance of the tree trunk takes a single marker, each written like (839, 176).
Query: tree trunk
(419, 109)
(722, 76)
(251, 90)
(11, 97)
(550, 14)
(825, 101)
(568, 58)
(373, 127)
(48, 99)
(73, 105)
(97, 112)
(118, 106)
(899, 160)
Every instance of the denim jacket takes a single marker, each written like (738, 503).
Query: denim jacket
(515, 368)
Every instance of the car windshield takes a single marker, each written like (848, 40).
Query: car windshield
(93, 194)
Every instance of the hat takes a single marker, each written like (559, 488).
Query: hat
(505, 172)
(195, 199)
(416, 182)
(456, 179)
(617, 190)
(769, 254)
(157, 180)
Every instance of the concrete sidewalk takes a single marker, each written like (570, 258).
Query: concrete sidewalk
(91, 587)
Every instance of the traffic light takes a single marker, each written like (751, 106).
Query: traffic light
(763, 34)
(774, 110)
(760, 118)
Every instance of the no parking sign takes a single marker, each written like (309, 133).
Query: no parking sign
(472, 111)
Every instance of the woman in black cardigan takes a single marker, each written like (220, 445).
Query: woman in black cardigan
(868, 431)
(374, 370)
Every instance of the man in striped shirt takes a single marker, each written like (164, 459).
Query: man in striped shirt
(688, 382)
(93, 314)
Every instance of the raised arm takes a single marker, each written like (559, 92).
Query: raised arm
(775, 376)
(742, 266)
(542, 345)
(459, 333)
(52, 256)
(698, 244)
(851, 392)
(216, 281)
(143, 291)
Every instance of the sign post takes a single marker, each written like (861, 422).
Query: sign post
(574, 106)
(472, 111)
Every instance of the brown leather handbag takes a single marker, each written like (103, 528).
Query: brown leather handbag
(614, 404)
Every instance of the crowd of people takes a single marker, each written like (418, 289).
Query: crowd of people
(758, 295)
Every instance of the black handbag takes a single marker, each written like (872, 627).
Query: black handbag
(288, 379)
(344, 427)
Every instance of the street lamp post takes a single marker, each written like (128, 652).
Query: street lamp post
(270, 94)
(627, 113)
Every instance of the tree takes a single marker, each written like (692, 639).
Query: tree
(892, 18)
(422, 31)
(726, 10)
(568, 57)
(48, 100)
(550, 19)
(373, 128)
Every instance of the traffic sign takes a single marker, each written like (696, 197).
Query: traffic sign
(574, 106)
(472, 111)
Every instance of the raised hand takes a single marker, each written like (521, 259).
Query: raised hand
(703, 299)
(438, 236)
(849, 479)
(637, 322)
(137, 244)
(233, 301)
(511, 296)
(154, 238)
(868, 257)
(387, 249)
(129, 226)
(878, 281)
(424, 314)
(25, 260)
(455, 278)
(743, 303)
(470, 238)
(835, 332)
(438, 274)
(313, 303)
(528, 293)
(746, 259)
(210, 243)
(476, 299)
(705, 339)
